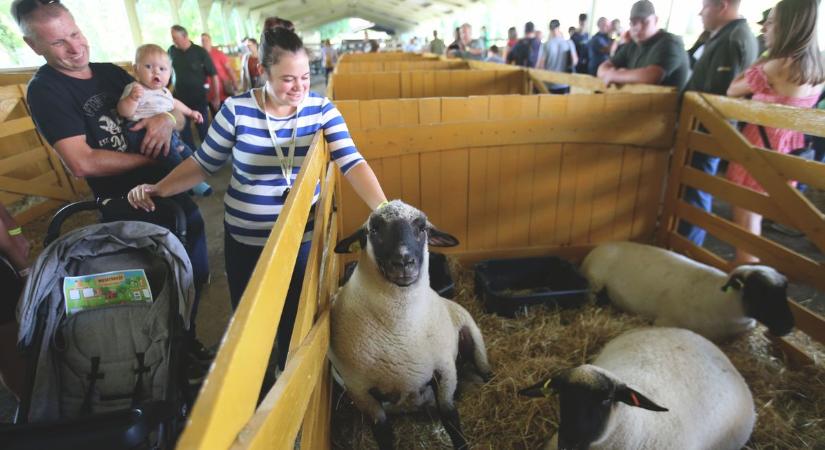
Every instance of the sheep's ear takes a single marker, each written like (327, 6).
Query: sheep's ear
(735, 281)
(438, 238)
(632, 397)
(541, 389)
(353, 242)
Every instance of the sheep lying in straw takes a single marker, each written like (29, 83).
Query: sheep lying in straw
(613, 403)
(394, 340)
(677, 291)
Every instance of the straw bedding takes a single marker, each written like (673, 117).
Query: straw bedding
(790, 403)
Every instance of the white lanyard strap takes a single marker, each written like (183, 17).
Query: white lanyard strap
(286, 163)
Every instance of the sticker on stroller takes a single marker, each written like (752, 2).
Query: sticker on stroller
(106, 289)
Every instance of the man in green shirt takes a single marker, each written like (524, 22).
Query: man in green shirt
(192, 64)
(729, 50)
(653, 57)
(436, 45)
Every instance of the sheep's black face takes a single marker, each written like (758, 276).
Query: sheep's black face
(584, 412)
(765, 297)
(398, 246)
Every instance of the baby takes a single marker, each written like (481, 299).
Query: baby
(148, 97)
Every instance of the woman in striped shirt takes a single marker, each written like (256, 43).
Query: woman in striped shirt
(267, 131)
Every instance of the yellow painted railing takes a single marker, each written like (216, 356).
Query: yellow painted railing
(225, 414)
(705, 126)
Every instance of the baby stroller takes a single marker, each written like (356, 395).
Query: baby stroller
(105, 375)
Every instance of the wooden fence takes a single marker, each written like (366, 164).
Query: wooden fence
(385, 56)
(225, 414)
(436, 83)
(399, 66)
(781, 203)
(519, 175)
(28, 166)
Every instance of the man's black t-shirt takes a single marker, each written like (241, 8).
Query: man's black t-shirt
(63, 107)
(192, 66)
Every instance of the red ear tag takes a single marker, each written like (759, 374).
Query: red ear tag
(633, 397)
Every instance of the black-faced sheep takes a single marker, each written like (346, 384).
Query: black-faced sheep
(674, 290)
(395, 340)
(614, 403)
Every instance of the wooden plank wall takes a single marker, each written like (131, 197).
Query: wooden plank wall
(383, 56)
(28, 166)
(399, 66)
(444, 83)
(503, 176)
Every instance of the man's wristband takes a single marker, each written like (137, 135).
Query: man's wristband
(16, 231)
(171, 116)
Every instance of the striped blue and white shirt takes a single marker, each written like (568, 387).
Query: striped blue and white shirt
(254, 199)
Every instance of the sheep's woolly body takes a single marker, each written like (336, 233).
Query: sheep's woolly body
(667, 287)
(395, 339)
(710, 405)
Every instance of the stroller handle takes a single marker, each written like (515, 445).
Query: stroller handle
(163, 204)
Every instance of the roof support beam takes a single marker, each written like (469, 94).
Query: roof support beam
(203, 8)
(174, 7)
(134, 21)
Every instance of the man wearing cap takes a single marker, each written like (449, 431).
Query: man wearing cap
(653, 57)
(526, 51)
(730, 48)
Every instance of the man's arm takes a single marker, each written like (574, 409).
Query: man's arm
(84, 161)
(739, 87)
(644, 75)
(15, 248)
(574, 55)
(605, 67)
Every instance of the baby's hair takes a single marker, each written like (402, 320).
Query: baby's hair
(148, 49)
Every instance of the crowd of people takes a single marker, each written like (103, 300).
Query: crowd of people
(783, 65)
(131, 136)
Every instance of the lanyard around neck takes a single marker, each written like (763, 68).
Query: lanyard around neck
(286, 162)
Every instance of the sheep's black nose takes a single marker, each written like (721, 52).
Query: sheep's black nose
(403, 259)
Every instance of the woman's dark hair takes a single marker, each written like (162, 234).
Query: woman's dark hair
(275, 42)
(795, 38)
(278, 22)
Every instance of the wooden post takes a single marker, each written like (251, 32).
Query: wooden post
(226, 14)
(175, 8)
(134, 22)
(204, 6)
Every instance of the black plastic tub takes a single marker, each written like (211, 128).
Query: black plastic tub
(509, 286)
(440, 279)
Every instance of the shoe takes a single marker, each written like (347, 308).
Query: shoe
(199, 352)
(201, 190)
(786, 230)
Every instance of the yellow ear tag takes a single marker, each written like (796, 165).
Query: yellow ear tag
(355, 246)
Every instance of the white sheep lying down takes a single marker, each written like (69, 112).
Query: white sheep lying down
(674, 290)
(394, 339)
(614, 402)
